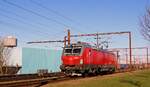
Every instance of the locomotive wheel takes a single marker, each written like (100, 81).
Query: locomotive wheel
(85, 74)
(111, 70)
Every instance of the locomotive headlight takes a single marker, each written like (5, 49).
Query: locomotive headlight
(81, 61)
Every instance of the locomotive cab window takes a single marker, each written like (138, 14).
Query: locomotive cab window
(68, 50)
(77, 50)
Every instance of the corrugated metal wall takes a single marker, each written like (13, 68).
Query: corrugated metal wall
(36, 58)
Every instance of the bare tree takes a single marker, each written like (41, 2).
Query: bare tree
(4, 56)
(145, 24)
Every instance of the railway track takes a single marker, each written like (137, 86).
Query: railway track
(27, 76)
(30, 80)
(34, 80)
(22, 81)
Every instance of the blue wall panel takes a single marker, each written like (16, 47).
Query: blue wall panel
(36, 58)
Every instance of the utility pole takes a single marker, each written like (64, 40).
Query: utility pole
(130, 48)
(65, 39)
(68, 37)
(118, 59)
(126, 55)
(147, 57)
(97, 40)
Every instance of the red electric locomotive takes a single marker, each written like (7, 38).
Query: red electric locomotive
(82, 58)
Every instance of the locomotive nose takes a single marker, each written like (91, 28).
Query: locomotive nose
(71, 60)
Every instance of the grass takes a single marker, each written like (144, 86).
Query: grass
(129, 79)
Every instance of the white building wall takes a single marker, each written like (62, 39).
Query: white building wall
(15, 57)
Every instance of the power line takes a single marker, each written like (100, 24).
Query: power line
(38, 23)
(1, 22)
(28, 23)
(20, 40)
(55, 12)
(33, 33)
(6, 23)
(20, 21)
(56, 34)
(51, 10)
(35, 13)
(14, 33)
(30, 11)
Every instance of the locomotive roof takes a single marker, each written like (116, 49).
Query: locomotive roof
(79, 44)
(84, 44)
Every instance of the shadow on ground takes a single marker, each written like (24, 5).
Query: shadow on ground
(132, 82)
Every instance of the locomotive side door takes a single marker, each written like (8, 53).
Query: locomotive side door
(90, 58)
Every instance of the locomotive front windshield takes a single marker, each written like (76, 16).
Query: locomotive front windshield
(77, 50)
(68, 50)
(72, 51)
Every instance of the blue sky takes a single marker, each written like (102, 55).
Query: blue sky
(83, 16)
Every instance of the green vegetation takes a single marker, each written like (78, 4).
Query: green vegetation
(130, 79)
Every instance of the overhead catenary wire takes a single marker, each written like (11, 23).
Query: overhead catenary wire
(57, 13)
(6, 23)
(25, 23)
(16, 34)
(51, 10)
(37, 24)
(21, 17)
(11, 25)
(35, 13)
(2, 22)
